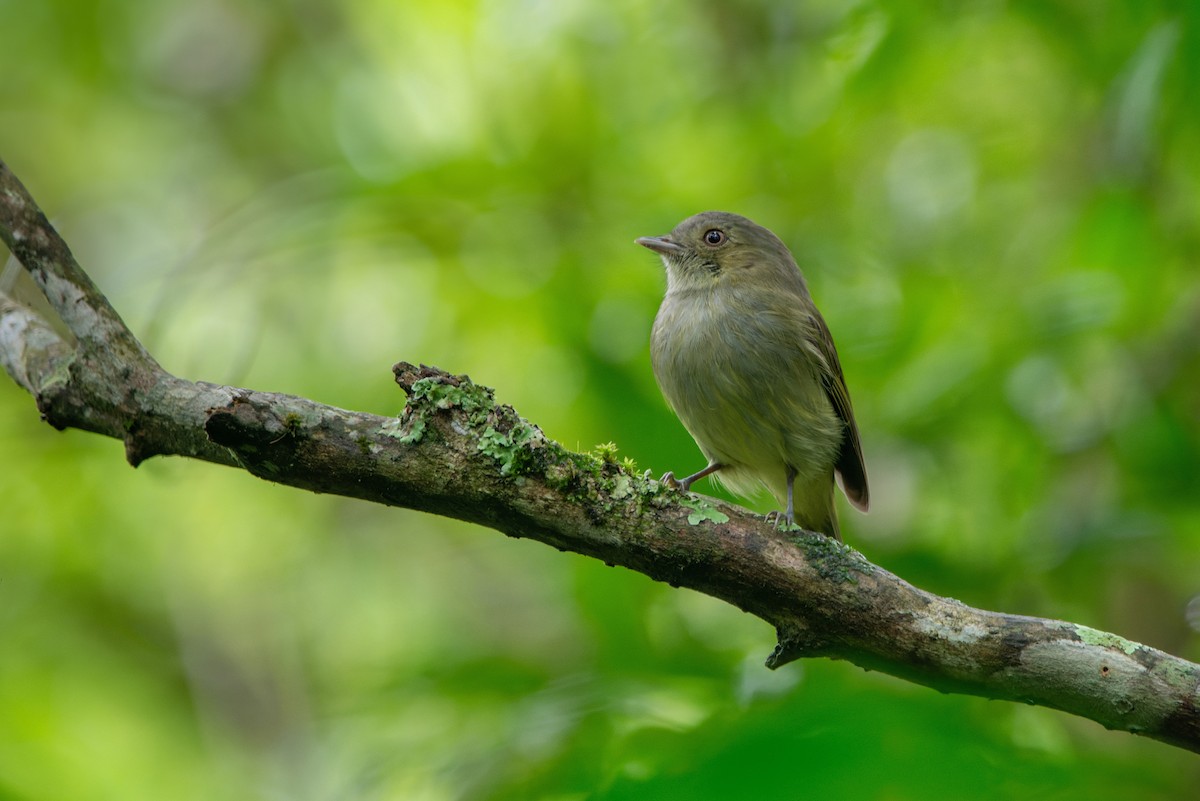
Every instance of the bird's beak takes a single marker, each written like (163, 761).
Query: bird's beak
(660, 244)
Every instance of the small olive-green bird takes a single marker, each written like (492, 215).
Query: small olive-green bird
(745, 359)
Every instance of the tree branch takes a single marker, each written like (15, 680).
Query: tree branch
(455, 452)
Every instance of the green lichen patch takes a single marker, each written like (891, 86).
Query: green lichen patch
(1105, 640)
(521, 449)
(409, 429)
(622, 482)
(477, 401)
(653, 492)
(513, 448)
(1178, 673)
(436, 393)
(702, 510)
(622, 486)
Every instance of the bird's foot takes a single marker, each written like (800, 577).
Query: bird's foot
(782, 521)
(669, 480)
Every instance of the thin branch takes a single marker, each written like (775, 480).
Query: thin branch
(455, 452)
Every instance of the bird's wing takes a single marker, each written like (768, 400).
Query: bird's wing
(849, 465)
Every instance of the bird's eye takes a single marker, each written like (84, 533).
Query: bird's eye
(714, 236)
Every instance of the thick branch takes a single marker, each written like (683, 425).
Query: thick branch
(455, 452)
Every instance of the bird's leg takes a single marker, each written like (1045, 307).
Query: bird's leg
(670, 480)
(791, 507)
(790, 514)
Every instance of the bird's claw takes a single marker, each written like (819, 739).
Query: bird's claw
(669, 480)
(788, 521)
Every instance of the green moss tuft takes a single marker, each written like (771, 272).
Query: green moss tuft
(832, 559)
(606, 452)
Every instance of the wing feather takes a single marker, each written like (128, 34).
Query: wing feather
(850, 467)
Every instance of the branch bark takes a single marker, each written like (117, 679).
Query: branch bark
(455, 452)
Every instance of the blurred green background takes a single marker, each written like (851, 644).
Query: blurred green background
(997, 205)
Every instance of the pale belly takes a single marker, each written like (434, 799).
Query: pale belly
(749, 395)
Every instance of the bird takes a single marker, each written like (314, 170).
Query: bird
(746, 361)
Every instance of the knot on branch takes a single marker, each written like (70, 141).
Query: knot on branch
(460, 410)
(796, 641)
(432, 393)
(408, 374)
(263, 440)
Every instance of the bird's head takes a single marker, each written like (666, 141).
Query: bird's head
(716, 247)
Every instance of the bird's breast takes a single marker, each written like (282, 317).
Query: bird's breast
(734, 369)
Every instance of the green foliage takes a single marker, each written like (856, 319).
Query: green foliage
(994, 204)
